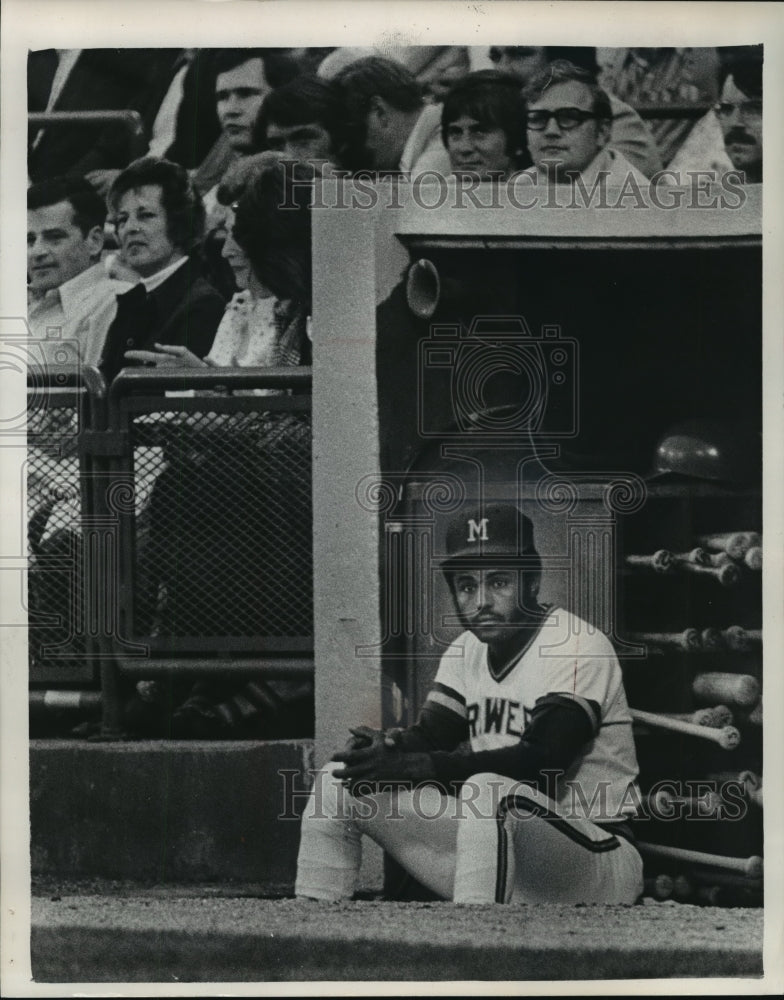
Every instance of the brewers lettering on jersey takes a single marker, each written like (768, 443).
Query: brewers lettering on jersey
(518, 780)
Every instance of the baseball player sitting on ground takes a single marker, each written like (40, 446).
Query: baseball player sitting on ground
(518, 780)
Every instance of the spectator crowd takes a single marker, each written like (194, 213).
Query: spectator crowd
(179, 254)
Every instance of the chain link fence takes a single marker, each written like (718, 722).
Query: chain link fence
(59, 646)
(223, 535)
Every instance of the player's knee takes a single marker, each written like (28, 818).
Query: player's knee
(327, 795)
(481, 794)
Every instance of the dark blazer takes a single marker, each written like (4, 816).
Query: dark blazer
(185, 310)
(101, 80)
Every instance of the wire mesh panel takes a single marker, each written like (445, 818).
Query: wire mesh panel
(56, 478)
(221, 540)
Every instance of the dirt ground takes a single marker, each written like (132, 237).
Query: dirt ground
(209, 935)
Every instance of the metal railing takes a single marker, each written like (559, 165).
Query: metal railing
(191, 548)
(129, 120)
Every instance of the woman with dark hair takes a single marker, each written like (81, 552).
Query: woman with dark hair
(159, 221)
(483, 126)
(268, 248)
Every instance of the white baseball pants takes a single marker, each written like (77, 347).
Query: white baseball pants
(499, 841)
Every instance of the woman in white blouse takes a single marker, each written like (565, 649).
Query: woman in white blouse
(266, 323)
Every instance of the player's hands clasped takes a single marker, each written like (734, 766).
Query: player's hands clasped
(372, 756)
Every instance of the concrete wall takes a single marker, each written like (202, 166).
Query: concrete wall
(345, 459)
(168, 811)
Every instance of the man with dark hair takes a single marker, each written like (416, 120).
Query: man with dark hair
(735, 120)
(483, 126)
(386, 124)
(628, 133)
(519, 779)
(243, 79)
(301, 120)
(740, 116)
(569, 120)
(72, 298)
(159, 220)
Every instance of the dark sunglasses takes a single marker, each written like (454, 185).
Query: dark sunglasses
(565, 118)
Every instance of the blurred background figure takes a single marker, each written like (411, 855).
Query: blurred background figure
(628, 134)
(387, 126)
(78, 80)
(450, 64)
(301, 120)
(483, 126)
(645, 76)
(435, 67)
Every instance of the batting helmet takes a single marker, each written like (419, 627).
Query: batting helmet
(710, 449)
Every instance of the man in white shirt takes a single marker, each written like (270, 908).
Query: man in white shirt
(569, 121)
(388, 127)
(72, 300)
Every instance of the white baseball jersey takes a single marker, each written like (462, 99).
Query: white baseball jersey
(567, 658)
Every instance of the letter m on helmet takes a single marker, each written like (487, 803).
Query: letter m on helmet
(477, 529)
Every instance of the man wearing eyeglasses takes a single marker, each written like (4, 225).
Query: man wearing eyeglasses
(740, 117)
(568, 130)
(629, 134)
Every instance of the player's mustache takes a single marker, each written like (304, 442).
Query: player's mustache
(737, 135)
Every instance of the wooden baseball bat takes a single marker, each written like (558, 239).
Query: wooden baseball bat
(732, 880)
(725, 895)
(755, 715)
(698, 556)
(700, 717)
(752, 784)
(718, 559)
(682, 888)
(722, 716)
(687, 641)
(658, 886)
(753, 558)
(721, 778)
(716, 687)
(734, 543)
(728, 575)
(663, 802)
(736, 639)
(750, 867)
(708, 895)
(742, 640)
(662, 561)
(727, 738)
(711, 638)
